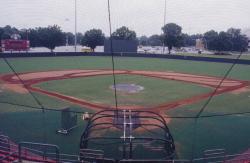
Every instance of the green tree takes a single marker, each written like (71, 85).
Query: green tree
(5, 36)
(218, 41)
(10, 30)
(1, 32)
(223, 42)
(232, 40)
(34, 38)
(93, 38)
(79, 38)
(211, 38)
(51, 37)
(190, 40)
(172, 36)
(124, 33)
(23, 33)
(7, 31)
(239, 41)
(155, 40)
(70, 38)
(143, 40)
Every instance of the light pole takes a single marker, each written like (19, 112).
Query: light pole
(75, 24)
(164, 23)
(67, 37)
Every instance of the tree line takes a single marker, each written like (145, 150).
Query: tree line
(172, 36)
(230, 40)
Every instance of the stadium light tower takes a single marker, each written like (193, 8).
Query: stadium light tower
(164, 23)
(75, 24)
(165, 12)
(67, 37)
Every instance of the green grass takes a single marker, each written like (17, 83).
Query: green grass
(230, 133)
(214, 132)
(25, 124)
(227, 103)
(97, 89)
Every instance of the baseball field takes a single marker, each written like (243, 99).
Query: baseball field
(176, 89)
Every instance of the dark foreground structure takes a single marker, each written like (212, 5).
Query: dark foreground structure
(115, 135)
(137, 136)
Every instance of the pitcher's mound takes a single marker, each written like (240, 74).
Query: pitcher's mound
(128, 88)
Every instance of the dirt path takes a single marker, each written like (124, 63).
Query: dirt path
(12, 83)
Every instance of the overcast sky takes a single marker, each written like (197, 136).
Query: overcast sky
(146, 17)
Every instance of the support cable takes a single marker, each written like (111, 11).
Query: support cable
(31, 93)
(23, 83)
(208, 102)
(218, 86)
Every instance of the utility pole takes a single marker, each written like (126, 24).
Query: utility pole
(165, 12)
(75, 24)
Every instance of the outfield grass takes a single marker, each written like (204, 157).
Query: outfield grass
(64, 63)
(87, 62)
(219, 132)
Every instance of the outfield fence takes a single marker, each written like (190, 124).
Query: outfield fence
(148, 55)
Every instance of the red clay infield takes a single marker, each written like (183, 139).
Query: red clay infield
(11, 82)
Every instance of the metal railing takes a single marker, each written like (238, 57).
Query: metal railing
(22, 153)
(7, 157)
(45, 146)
